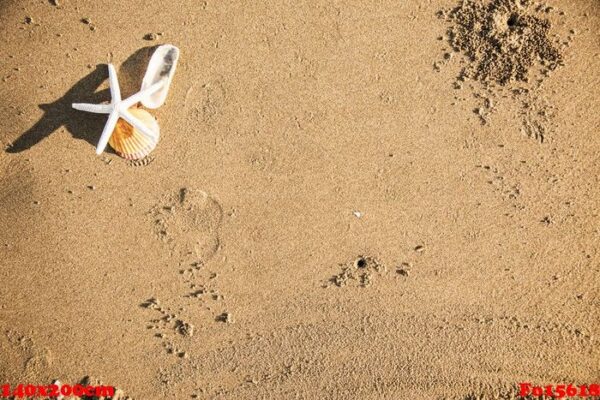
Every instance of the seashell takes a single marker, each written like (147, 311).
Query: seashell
(129, 142)
(57, 383)
(161, 67)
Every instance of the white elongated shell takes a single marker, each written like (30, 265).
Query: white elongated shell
(162, 65)
(57, 383)
(130, 143)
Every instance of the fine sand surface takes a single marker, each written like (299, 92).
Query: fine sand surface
(349, 200)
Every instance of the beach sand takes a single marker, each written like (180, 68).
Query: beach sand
(349, 200)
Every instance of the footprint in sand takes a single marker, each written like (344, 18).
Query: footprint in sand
(22, 358)
(206, 103)
(188, 222)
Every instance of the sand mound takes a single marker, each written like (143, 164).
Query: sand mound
(503, 40)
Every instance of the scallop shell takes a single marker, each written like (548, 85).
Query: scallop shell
(162, 66)
(130, 143)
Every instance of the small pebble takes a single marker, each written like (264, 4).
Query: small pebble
(225, 317)
(184, 328)
(150, 36)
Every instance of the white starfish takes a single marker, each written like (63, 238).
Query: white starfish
(118, 108)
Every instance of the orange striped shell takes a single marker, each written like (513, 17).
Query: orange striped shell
(131, 144)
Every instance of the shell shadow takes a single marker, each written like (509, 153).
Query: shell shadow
(133, 69)
(81, 125)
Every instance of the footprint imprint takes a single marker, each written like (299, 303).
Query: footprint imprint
(188, 222)
(168, 326)
(207, 102)
(23, 356)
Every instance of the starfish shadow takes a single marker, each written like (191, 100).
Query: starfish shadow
(60, 113)
(83, 126)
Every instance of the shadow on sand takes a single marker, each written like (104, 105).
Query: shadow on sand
(83, 125)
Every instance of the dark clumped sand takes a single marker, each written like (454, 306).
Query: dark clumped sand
(508, 49)
(348, 200)
(503, 39)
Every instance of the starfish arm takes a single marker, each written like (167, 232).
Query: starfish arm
(107, 132)
(94, 108)
(136, 98)
(137, 124)
(115, 91)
